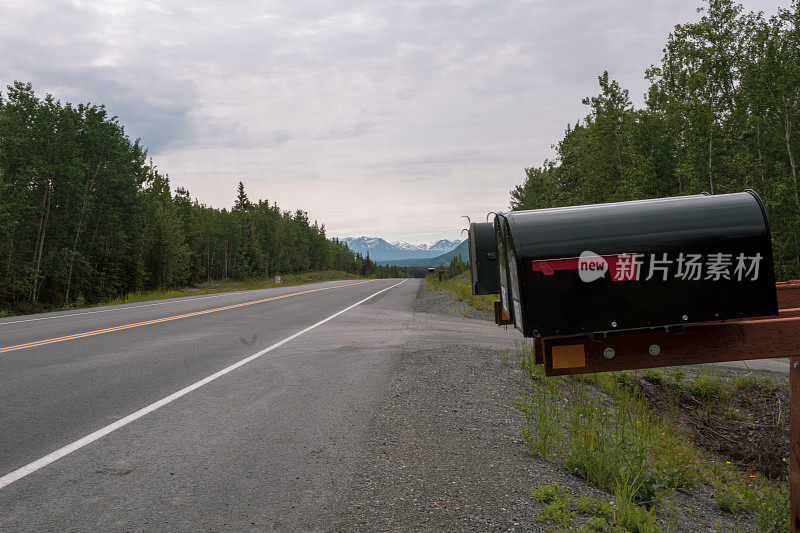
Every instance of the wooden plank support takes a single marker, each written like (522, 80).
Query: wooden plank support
(728, 341)
(788, 294)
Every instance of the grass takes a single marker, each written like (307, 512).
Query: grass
(601, 428)
(557, 505)
(461, 286)
(301, 278)
(653, 376)
(707, 385)
(560, 507)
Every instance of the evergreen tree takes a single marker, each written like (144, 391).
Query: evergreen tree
(84, 215)
(722, 114)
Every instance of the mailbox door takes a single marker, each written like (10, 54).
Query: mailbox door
(515, 282)
(502, 264)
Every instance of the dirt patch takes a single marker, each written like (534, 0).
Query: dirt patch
(739, 416)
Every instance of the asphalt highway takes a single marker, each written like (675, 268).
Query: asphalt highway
(261, 411)
(232, 411)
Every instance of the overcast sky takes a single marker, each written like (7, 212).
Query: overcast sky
(379, 118)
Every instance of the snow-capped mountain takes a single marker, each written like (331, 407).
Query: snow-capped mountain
(442, 245)
(381, 250)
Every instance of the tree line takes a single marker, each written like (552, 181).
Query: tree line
(722, 114)
(86, 216)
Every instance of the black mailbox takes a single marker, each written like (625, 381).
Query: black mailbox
(483, 258)
(636, 265)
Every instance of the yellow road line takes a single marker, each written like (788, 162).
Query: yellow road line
(165, 319)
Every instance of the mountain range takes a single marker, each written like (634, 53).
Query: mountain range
(444, 259)
(382, 251)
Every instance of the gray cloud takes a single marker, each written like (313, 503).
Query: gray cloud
(388, 118)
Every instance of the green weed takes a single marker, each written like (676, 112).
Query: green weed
(677, 375)
(604, 431)
(542, 430)
(730, 413)
(728, 498)
(550, 493)
(597, 523)
(708, 390)
(750, 384)
(653, 376)
(461, 286)
(559, 507)
(217, 287)
(707, 385)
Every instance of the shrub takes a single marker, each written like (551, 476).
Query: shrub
(653, 376)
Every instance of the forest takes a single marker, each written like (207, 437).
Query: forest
(721, 114)
(86, 216)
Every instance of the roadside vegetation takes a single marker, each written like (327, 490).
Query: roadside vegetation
(721, 114)
(229, 286)
(300, 278)
(654, 440)
(646, 437)
(457, 280)
(86, 217)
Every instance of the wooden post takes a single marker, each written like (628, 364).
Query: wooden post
(794, 442)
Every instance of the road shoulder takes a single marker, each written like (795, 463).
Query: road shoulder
(445, 452)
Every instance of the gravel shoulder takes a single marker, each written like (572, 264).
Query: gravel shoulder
(445, 451)
(446, 303)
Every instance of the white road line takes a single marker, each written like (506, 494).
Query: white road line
(30, 468)
(179, 300)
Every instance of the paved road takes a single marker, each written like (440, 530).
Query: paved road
(293, 439)
(264, 446)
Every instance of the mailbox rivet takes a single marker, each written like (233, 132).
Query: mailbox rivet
(654, 349)
(608, 353)
(684, 317)
(613, 324)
